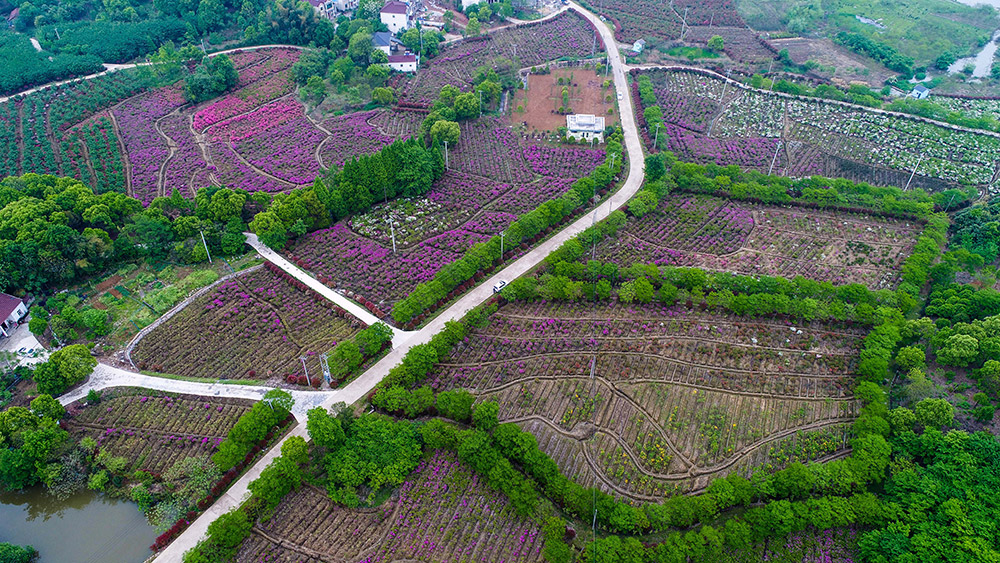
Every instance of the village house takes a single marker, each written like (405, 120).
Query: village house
(404, 63)
(585, 127)
(12, 311)
(395, 15)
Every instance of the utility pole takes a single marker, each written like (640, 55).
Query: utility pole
(207, 253)
(913, 173)
(446, 155)
(501, 246)
(774, 158)
(685, 20)
(593, 222)
(613, 155)
(480, 103)
(303, 359)
(392, 232)
(324, 362)
(725, 86)
(656, 137)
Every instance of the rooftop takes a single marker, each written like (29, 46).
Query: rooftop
(394, 7)
(584, 122)
(7, 305)
(402, 58)
(382, 39)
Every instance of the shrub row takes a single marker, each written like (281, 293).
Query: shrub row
(253, 427)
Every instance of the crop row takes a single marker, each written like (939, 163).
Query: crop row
(716, 234)
(152, 430)
(751, 120)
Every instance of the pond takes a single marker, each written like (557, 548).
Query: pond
(983, 60)
(85, 528)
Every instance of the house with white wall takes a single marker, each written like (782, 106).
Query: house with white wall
(584, 127)
(12, 311)
(404, 63)
(395, 15)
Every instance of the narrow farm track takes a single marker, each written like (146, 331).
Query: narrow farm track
(126, 162)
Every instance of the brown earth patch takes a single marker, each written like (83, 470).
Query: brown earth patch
(538, 105)
(849, 67)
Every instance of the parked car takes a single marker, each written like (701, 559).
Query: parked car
(499, 286)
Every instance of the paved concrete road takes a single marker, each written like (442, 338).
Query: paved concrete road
(398, 335)
(368, 380)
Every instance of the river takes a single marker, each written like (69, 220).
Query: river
(86, 528)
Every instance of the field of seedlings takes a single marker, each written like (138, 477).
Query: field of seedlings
(152, 430)
(727, 235)
(443, 512)
(648, 400)
(707, 121)
(567, 36)
(253, 326)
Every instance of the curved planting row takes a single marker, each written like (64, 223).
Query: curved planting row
(659, 398)
(746, 125)
(568, 35)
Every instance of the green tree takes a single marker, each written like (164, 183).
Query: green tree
(360, 48)
(315, 90)
(448, 131)
(456, 405)
(472, 29)
(383, 96)
(958, 350)
(716, 43)
(64, 368)
(466, 106)
(486, 415)
(10, 553)
(46, 406)
(935, 413)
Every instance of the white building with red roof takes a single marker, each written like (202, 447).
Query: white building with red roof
(396, 16)
(12, 310)
(404, 63)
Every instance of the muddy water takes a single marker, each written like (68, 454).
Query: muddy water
(86, 528)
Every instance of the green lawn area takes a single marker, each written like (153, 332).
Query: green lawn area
(921, 29)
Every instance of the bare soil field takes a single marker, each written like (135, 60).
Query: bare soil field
(537, 107)
(849, 66)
